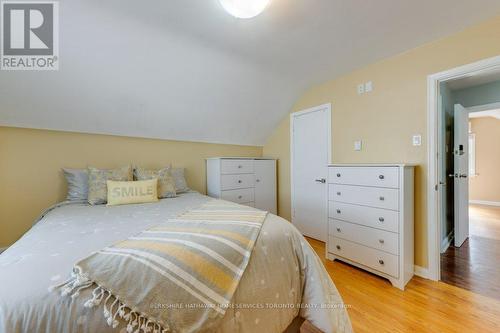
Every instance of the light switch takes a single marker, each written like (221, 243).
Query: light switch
(358, 145)
(361, 89)
(417, 140)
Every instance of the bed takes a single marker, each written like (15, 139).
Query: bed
(283, 272)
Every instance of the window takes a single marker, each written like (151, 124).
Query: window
(472, 154)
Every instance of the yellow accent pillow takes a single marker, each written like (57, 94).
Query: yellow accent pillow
(123, 193)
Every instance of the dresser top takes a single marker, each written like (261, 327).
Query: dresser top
(240, 158)
(402, 165)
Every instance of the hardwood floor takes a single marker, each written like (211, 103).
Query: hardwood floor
(425, 306)
(475, 265)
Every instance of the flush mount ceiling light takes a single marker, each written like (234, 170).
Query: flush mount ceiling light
(244, 8)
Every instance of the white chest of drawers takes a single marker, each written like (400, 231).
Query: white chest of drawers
(370, 219)
(248, 181)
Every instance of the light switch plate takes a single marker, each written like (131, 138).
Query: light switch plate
(417, 140)
(358, 145)
(368, 86)
(361, 89)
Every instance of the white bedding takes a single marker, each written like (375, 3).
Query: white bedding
(283, 271)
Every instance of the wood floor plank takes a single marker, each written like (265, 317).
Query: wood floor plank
(475, 265)
(425, 306)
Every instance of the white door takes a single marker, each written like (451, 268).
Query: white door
(310, 157)
(461, 164)
(265, 185)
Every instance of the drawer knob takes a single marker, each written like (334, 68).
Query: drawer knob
(381, 177)
(382, 198)
(338, 229)
(338, 211)
(240, 196)
(239, 181)
(381, 262)
(240, 166)
(381, 241)
(381, 219)
(257, 180)
(338, 193)
(338, 247)
(338, 175)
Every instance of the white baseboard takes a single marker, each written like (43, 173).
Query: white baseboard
(422, 272)
(485, 202)
(445, 243)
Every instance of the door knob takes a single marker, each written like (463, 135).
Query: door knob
(321, 180)
(463, 175)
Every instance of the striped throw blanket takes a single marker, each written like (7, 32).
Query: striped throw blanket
(176, 277)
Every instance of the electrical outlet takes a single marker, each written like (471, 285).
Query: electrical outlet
(361, 89)
(417, 140)
(358, 145)
(368, 86)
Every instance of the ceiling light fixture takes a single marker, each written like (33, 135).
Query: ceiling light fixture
(244, 8)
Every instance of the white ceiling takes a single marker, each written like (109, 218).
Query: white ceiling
(490, 113)
(185, 70)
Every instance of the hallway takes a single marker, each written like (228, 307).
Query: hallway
(475, 266)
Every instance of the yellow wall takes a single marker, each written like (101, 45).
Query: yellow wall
(486, 185)
(31, 161)
(386, 118)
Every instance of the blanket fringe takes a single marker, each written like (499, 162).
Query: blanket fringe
(114, 310)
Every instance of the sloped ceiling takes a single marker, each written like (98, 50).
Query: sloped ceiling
(186, 70)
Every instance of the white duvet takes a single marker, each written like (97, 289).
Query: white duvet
(283, 280)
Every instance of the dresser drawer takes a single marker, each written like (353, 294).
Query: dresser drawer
(378, 239)
(365, 176)
(250, 204)
(375, 259)
(372, 217)
(243, 196)
(386, 198)
(232, 182)
(229, 167)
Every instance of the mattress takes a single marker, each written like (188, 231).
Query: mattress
(284, 279)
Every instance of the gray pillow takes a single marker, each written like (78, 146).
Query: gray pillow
(78, 187)
(180, 181)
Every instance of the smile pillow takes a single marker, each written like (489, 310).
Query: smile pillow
(123, 193)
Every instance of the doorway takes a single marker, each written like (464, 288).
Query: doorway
(468, 140)
(310, 139)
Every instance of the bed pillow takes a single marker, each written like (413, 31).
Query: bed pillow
(78, 184)
(181, 185)
(98, 189)
(166, 184)
(123, 193)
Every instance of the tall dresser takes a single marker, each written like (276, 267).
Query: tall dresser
(248, 181)
(370, 219)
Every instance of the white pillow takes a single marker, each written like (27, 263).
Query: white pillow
(78, 184)
(181, 185)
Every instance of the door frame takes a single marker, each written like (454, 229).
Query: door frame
(328, 108)
(434, 205)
